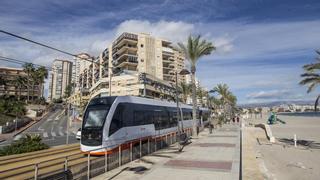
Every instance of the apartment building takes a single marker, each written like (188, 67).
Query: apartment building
(60, 78)
(133, 64)
(10, 85)
(131, 56)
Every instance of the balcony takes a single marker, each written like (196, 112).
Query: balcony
(133, 48)
(124, 36)
(168, 66)
(123, 57)
(126, 59)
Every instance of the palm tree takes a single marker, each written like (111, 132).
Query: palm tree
(260, 111)
(227, 99)
(185, 91)
(3, 82)
(200, 94)
(42, 74)
(28, 68)
(19, 83)
(312, 77)
(193, 51)
(34, 80)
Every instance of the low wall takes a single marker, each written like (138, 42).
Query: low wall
(267, 130)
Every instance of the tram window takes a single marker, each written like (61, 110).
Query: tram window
(173, 118)
(160, 119)
(117, 120)
(140, 118)
(164, 119)
(95, 117)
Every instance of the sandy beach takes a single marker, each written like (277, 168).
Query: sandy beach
(284, 161)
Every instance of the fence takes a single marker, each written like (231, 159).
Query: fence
(16, 124)
(84, 166)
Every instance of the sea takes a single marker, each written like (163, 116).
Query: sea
(308, 114)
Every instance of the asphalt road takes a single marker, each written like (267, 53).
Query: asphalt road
(52, 129)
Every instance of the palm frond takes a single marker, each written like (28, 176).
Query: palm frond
(308, 74)
(316, 103)
(309, 80)
(311, 87)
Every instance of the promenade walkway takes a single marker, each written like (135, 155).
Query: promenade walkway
(209, 156)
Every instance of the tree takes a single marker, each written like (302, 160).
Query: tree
(18, 109)
(312, 77)
(260, 111)
(227, 99)
(201, 95)
(29, 69)
(3, 82)
(185, 91)
(193, 51)
(68, 91)
(19, 83)
(28, 143)
(42, 74)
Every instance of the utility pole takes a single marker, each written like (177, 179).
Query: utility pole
(142, 78)
(68, 115)
(109, 84)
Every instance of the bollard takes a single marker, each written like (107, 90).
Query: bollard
(35, 171)
(106, 161)
(66, 164)
(148, 146)
(295, 140)
(130, 151)
(155, 144)
(120, 155)
(140, 148)
(88, 173)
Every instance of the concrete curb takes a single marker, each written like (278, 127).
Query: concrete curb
(267, 130)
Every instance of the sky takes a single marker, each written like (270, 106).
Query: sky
(261, 44)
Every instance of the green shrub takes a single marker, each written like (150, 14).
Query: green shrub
(29, 143)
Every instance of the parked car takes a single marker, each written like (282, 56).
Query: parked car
(78, 135)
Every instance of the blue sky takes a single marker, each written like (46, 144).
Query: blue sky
(261, 44)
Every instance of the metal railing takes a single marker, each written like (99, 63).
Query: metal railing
(84, 165)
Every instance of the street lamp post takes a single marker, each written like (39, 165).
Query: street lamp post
(180, 117)
(68, 115)
(110, 76)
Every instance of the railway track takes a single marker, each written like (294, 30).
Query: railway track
(48, 161)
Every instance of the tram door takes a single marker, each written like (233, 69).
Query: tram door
(117, 123)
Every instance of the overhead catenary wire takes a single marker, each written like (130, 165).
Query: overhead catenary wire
(49, 47)
(17, 61)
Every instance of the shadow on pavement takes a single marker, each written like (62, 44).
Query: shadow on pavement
(305, 143)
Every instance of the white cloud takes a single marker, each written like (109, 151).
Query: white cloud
(273, 94)
(176, 31)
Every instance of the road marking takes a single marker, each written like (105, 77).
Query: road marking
(61, 133)
(53, 134)
(50, 119)
(40, 129)
(45, 135)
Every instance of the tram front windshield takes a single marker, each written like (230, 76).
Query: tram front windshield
(95, 116)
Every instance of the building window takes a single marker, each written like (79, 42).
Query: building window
(141, 45)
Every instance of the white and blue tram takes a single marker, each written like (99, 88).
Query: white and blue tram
(111, 121)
